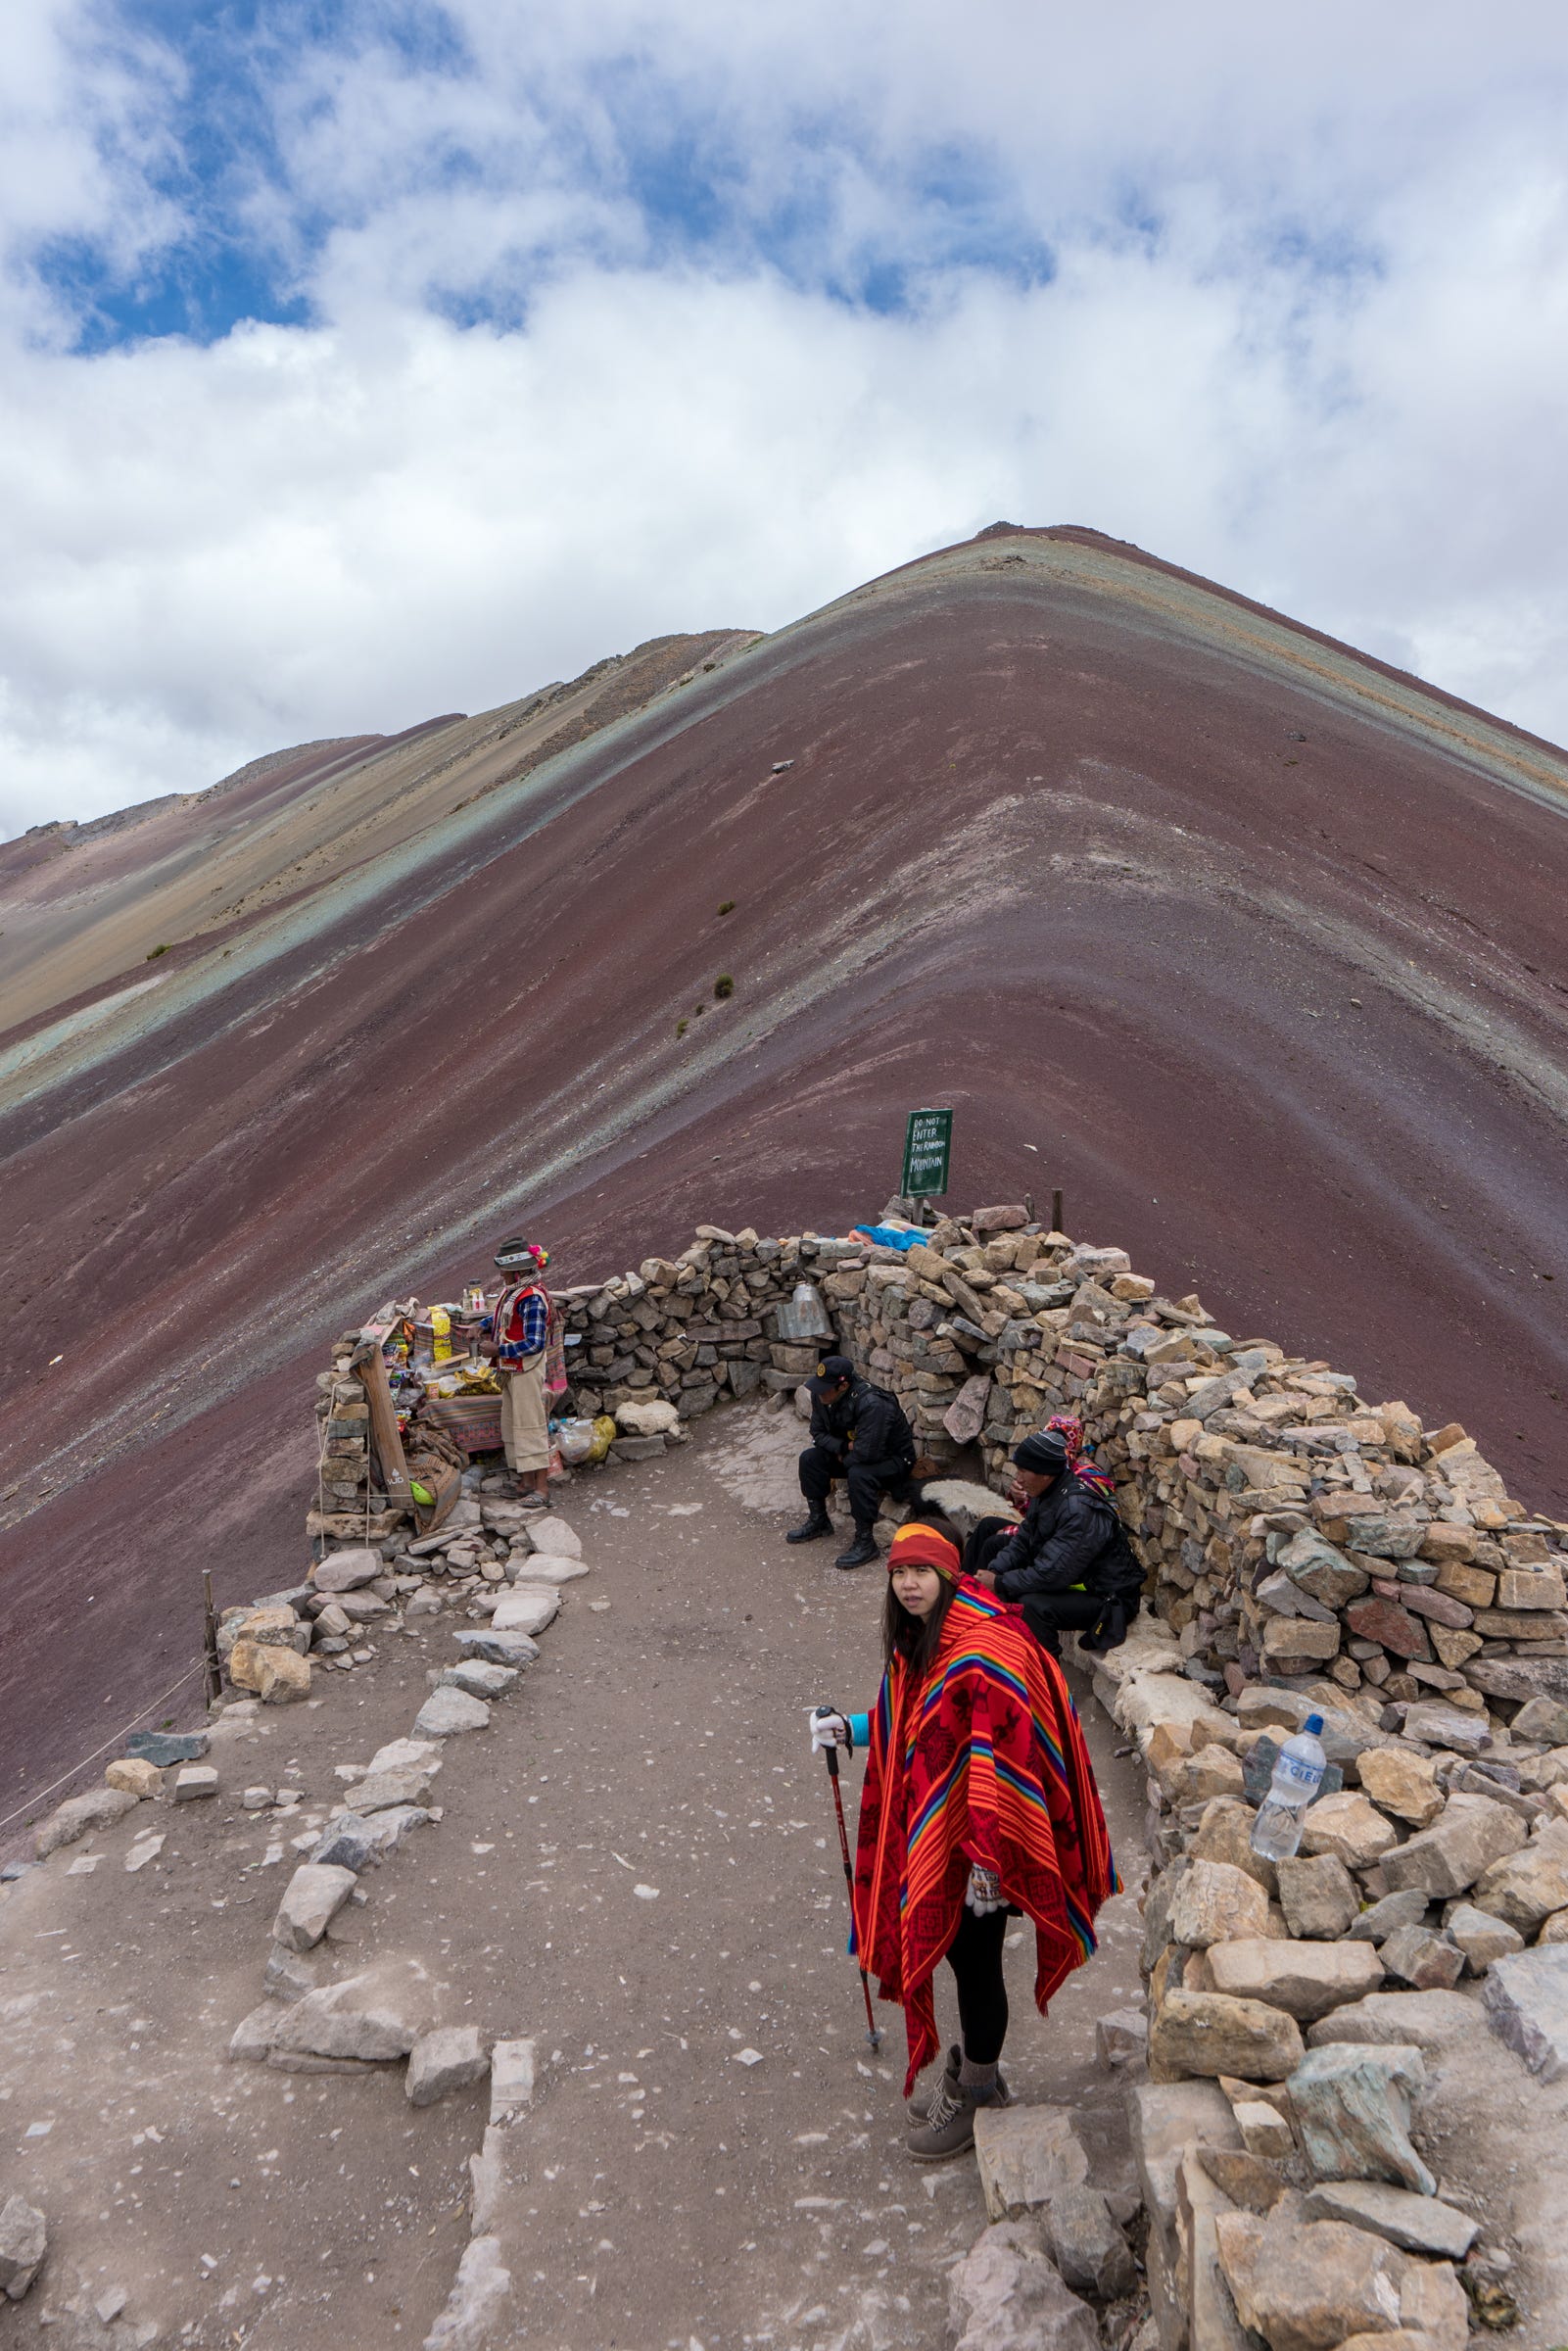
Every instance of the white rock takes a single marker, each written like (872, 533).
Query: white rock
(253, 2034)
(445, 2060)
(511, 2079)
(311, 1900)
(24, 2241)
(646, 1419)
(543, 1570)
(527, 1609)
(476, 2306)
(1026, 2153)
(347, 1570)
(554, 1537)
(447, 1712)
(375, 2016)
(193, 1780)
(146, 1849)
(399, 1753)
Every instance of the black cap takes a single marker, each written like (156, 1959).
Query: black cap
(1043, 1453)
(830, 1372)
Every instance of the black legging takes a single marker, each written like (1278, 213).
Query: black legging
(974, 1957)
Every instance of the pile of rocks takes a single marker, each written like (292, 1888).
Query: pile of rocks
(1293, 2006)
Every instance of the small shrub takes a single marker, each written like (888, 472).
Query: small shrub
(724, 987)
(153, 953)
(728, 907)
(681, 1028)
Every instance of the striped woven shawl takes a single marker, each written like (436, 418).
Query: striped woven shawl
(983, 1761)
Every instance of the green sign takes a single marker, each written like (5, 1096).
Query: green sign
(927, 1151)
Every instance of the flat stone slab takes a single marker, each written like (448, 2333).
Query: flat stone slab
(478, 1679)
(526, 1608)
(554, 1537)
(1026, 2153)
(447, 1712)
(1306, 1979)
(1526, 1999)
(513, 1649)
(164, 1748)
(1415, 2224)
(347, 1570)
(512, 2080)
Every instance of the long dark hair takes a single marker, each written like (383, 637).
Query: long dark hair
(915, 1637)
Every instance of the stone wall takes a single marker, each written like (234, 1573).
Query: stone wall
(1293, 1531)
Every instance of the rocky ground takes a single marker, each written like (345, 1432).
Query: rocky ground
(634, 1868)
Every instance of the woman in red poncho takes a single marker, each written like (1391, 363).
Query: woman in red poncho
(979, 1801)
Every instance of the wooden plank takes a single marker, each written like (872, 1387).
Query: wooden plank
(371, 1366)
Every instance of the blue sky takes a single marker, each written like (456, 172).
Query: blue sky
(364, 359)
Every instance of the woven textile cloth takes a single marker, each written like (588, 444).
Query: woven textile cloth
(981, 1761)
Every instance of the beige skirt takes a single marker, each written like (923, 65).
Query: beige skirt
(525, 1416)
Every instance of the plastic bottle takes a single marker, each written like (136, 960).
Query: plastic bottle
(1298, 1770)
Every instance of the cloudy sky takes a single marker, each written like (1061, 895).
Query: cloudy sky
(366, 359)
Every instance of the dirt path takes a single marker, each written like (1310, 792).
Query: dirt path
(637, 1865)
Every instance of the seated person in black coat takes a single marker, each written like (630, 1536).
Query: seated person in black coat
(858, 1433)
(1068, 1560)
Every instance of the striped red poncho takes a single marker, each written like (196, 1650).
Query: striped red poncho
(984, 1762)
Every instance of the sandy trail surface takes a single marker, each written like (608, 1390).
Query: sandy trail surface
(637, 1865)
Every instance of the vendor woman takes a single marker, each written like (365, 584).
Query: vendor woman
(979, 1801)
(523, 1332)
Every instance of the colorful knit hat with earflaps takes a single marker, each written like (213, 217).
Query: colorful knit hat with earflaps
(919, 1545)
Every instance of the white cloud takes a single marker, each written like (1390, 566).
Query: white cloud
(1307, 333)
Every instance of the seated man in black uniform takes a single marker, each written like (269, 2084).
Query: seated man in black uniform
(1068, 1560)
(858, 1433)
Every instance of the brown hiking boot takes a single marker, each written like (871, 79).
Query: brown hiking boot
(949, 2125)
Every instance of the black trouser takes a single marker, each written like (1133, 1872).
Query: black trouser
(974, 1957)
(1048, 1614)
(868, 1482)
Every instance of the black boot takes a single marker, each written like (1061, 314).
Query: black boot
(811, 1529)
(861, 1553)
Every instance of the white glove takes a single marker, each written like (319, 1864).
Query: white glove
(828, 1729)
(984, 1892)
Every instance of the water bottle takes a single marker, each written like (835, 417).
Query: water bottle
(1298, 1770)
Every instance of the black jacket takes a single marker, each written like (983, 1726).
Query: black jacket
(866, 1425)
(1069, 1536)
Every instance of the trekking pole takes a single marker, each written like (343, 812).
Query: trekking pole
(830, 1758)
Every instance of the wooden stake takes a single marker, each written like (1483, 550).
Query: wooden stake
(1055, 1211)
(215, 1669)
